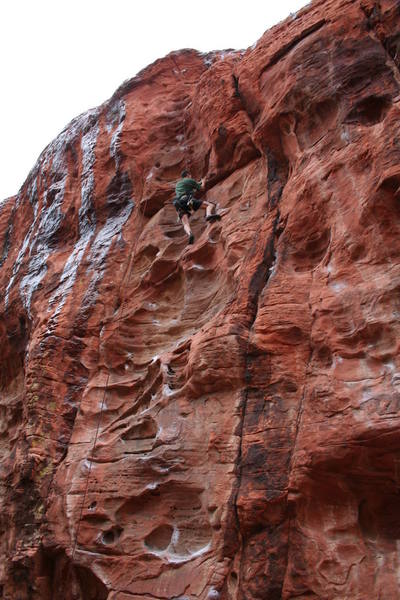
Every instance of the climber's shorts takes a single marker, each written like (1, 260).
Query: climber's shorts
(186, 205)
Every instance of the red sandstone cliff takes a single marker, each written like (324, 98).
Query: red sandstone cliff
(217, 421)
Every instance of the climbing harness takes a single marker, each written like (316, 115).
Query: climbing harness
(186, 204)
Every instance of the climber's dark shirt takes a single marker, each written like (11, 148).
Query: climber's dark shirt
(186, 186)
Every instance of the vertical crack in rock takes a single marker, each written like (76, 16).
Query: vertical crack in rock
(298, 422)
(235, 81)
(257, 284)
(238, 93)
(277, 177)
(275, 185)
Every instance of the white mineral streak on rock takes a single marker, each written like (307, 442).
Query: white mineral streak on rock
(100, 248)
(272, 269)
(114, 223)
(87, 218)
(115, 138)
(167, 390)
(174, 557)
(25, 243)
(55, 151)
(45, 225)
(87, 221)
(87, 465)
(41, 247)
(175, 536)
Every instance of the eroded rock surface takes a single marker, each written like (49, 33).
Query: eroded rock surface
(216, 421)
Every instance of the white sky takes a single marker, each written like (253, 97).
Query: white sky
(62, 57)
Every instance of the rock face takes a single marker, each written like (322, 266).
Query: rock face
(216, 421)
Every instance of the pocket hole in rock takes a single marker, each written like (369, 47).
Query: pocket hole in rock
(111, 536)
(369, 111)
(324, 356)
(146, 429)
(160, 538)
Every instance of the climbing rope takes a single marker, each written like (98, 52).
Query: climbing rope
(121, 309)
(132, 253)
(122, 282)
(90, 468)
(187, 167)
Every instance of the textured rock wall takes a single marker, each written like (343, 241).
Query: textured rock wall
(216, 421)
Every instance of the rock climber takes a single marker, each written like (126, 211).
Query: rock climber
(186, 203)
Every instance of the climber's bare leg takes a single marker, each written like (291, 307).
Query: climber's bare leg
(211, 214)
(210, 207)
(187, 228)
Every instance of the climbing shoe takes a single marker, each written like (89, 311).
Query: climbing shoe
(191, 239)
(212, 218)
